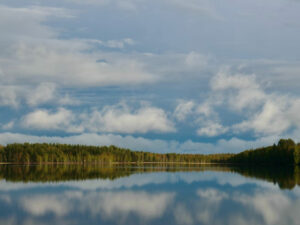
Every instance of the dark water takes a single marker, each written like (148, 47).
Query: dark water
(156, 194)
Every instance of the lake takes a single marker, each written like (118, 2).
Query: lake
(148, 194)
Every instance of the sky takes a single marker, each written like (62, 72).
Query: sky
(194, 76)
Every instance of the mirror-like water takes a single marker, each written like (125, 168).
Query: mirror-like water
(152, 194)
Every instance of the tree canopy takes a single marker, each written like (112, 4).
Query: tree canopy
(286, 152)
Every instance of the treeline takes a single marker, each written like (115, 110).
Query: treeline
(63, 153)
(285, 152)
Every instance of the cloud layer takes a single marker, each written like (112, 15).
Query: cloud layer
(161, 80)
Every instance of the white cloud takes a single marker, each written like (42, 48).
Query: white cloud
(211, 129)
(111, 119)
(8, 125)
(19, 23)
(33, 54)
(242, 91)
(196, 60)
(46, 120)
(271, 119)
(122, 119)
(9, 96)
(43, 93)
(245, 98)
(68, 67)
(33, 95)
(207, 108)
(183, 109)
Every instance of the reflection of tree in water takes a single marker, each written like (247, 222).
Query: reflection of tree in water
(287, 177)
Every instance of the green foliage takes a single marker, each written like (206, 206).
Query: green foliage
(284, 153)
(62, 153)
(297, 154)
(280, 154)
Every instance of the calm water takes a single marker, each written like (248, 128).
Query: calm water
(148, 195)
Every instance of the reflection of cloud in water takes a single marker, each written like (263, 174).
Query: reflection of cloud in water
(5, 198)
(41, 204)
(106, 204)
(182, 215)
(8, 221)
(272, 207)
(226, 199)
(148, 206)
(212, 195)
(143, 179)
(275, 207)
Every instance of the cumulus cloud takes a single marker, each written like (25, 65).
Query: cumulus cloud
(8, 125)
(122, 119)
(242, 91)
(43, 93)
(183, 109)
(244, 97)
(111, 119)
(9, 96)
(15, 96)
(271, 113)
(211, 129)
(45, 120)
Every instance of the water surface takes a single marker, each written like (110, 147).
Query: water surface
(157, 194)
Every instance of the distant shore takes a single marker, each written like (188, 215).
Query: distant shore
(286, 152)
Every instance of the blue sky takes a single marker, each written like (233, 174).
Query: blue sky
(194, 76)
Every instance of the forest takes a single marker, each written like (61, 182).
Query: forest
(285, 152)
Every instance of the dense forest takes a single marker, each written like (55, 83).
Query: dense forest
(63, 153)
(286, 152)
